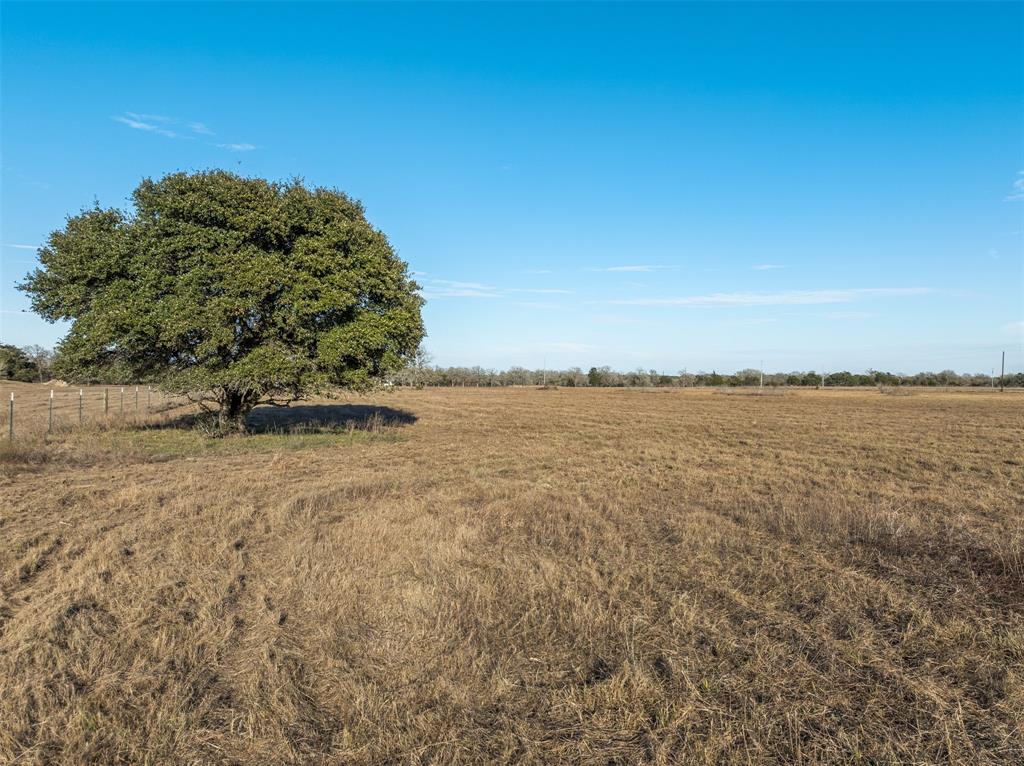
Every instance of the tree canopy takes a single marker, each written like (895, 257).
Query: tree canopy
(237, 289)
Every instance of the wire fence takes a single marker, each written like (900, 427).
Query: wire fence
(34, 410)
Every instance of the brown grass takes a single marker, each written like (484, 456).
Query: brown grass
(499, 576)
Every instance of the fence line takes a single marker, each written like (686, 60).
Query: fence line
(62, 409)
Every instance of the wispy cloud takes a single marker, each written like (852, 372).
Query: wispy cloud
(133, 121)
(150, 117)
(1014, 328)
(447, 288)
(21, 247)
(1018, 189)
(172, 127)
(784, 298)
(768, 267)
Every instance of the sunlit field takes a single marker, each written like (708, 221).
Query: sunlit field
(516, 575)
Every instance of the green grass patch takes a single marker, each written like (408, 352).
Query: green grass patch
(190, 442)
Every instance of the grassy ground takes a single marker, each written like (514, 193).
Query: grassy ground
(470, 576)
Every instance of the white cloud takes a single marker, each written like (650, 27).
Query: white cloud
(767, 267)
(462, 285)
(172, 127)
(149, 117)
(784, 298)
(447, 288)
(1018, 189)
(1014, 328)
(132, 121)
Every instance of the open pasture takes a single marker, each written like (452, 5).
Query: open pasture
(521, 575)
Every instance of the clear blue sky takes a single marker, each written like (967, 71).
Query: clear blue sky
(666, 186)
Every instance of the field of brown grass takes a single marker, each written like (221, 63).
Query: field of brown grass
(520, 576)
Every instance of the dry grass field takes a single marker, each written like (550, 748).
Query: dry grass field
(521, 576)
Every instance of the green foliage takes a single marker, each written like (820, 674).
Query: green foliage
(246, 290)
(15, 364)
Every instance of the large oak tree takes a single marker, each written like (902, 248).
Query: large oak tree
(236, 290)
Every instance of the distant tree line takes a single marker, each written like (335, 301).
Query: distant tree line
(428, 375)
(37, 364)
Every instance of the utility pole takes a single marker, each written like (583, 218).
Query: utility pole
(1002, 372)
(761, 385)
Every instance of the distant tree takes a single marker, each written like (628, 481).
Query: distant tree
(416, 372)
(519, 376)
(594, 377)
(15, 364)
(572, 377)
(841, 378)
(42, 358)
(747, 377)
(685, 378)
(239, 291)
(638, 377)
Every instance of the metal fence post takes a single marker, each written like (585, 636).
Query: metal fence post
(106, 402)
(136, 401)
(122, 402)
(81, 393)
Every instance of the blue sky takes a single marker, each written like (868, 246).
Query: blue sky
(814, 185)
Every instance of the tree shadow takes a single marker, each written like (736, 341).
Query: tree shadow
(312, 418)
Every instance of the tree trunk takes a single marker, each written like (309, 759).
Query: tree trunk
(235, 407)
